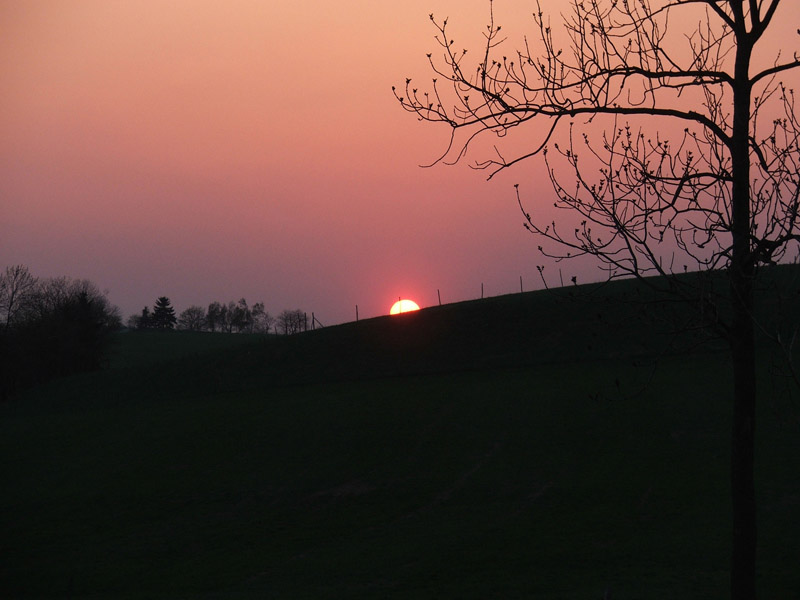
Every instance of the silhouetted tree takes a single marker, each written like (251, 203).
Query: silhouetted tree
(132, 322)
(16, 287)
(292, 321)
(49, 295)
(214, 316)
(163, 314)
(59, 326)
(238, 317)
(241, 316)
(262, 321)
(721, 193)
(192, 319)
(226, 317)
(142, 321)
(233, 316)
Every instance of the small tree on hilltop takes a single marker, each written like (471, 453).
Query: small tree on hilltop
(226, 317)
(192, 319)
(163, 314)
(262, 321)
(290, 322)
(720, 192)
(241, 316)
(142, 321)
(214, 316)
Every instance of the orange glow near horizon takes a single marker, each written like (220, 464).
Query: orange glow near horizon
(403, 306)
(210, 151)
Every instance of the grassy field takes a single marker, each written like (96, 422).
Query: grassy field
(519, 447)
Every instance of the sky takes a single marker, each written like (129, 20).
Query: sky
(211, 151)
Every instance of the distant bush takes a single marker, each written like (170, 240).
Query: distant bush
(51, 327)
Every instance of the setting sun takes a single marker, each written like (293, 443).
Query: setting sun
(403, 306)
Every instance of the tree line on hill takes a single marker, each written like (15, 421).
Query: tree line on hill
(233, 317)
(50, 327)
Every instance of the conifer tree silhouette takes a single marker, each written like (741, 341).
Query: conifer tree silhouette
(163, 314)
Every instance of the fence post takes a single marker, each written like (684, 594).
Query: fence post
(439, 295)
(481, 291)
(520, 284)
(356, 313)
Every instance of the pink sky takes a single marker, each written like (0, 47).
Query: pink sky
(218, 150)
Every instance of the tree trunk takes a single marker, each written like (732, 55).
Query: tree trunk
(742, 339)
(743, 559)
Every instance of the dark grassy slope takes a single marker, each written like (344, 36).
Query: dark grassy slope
(252, 474)
(132, 349)
(619, 322)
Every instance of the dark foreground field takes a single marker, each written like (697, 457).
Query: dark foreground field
(519, 447)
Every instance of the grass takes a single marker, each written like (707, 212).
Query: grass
(132, 349)
(519, 457)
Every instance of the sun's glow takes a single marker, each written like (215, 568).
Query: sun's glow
(403, 306)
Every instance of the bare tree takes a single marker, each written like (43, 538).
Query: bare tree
(723, 194)
(16, 287)
(192, 319)
(214, 316)
(226, 317)
(238, 317)
(262, 321)
(143, 320)
(51, 294)
(292, 321)
(241, 316)
(52, 327)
